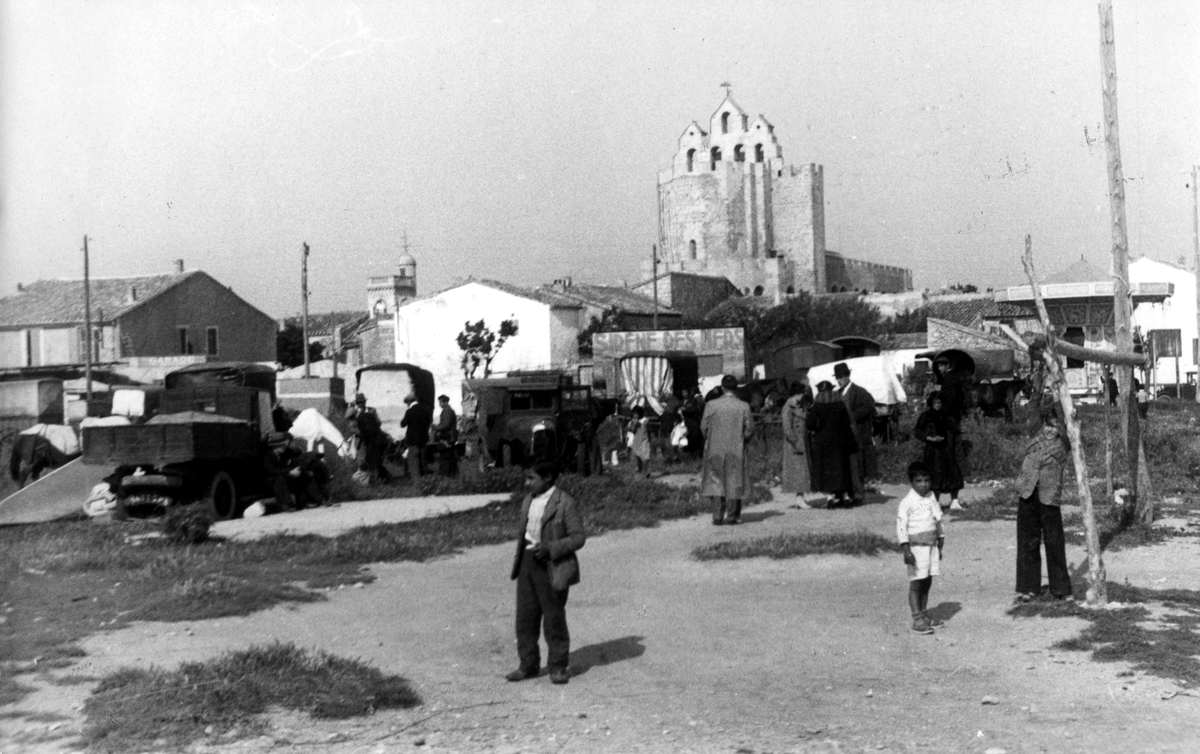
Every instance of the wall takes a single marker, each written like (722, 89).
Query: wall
(426, 330)
(798, 210)
(1178, 312)
(844, 274)
(243, 332)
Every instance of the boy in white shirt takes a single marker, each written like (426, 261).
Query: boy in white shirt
(919, 532)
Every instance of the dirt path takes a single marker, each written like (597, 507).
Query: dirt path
(671, 654)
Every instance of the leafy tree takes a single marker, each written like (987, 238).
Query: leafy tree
(480, 345)
(289, 348)
(610, 320)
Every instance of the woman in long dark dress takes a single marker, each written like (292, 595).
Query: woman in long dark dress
(833, 442)
(938, 432)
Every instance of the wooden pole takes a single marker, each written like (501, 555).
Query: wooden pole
(1139, 477)
(1097, 590)
(304, 303)
(654, 277)
(87, 322)
(1196, 254)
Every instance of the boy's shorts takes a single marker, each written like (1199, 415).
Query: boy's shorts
(929, 562)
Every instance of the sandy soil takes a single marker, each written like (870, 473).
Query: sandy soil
(671, 654)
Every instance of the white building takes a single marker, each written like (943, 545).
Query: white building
(1175, 313)
(548, 326)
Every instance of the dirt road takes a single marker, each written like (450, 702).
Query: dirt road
(672, 654)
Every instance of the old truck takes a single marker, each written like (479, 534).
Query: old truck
(205, 443)
(534, 416)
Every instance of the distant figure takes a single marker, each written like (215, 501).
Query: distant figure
(919, 532)
(545, 567)
(678, 439)
(417, 421)
(609, 437)
(445, 437)
(796, 476)
(727, 426)
(938, 434)
(364, 425)
(1142, 395)
(861, 405)
(1039, 518)
(639, 446)
(832, 442)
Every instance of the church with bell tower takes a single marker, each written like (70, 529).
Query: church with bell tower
(731, 206)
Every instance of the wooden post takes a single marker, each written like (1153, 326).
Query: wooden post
(87, 323)
(1139, 477)
(1097, 589)
(1196, 254)
(304, 304)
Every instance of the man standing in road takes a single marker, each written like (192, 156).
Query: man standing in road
(727, 426)
(861, 405)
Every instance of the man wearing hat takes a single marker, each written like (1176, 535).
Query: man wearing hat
(861, 406)
(727, 426)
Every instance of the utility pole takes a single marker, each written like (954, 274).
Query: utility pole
(1196, 252)
(87, 322)
(304, 303)
(654, 277)
(1122, 303)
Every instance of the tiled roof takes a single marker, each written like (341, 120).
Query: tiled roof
(48, 302)
(321, 325)
(546, 296)
(609, 296)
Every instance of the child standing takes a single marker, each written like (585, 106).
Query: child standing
(919, 531)
(639, 443)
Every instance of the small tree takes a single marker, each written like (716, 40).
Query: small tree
(289, 348)
(480, 345)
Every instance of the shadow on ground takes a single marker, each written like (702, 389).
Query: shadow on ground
(606, 653)
(944, 611)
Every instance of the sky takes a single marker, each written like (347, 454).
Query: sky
(522, 140)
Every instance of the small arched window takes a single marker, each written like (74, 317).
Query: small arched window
(715, 156)
(739, 153)
(691, 159)
(692, 249)
(758, 290)
(724, 123)
(791, 290)
(758, 153)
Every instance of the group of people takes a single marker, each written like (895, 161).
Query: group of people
(828, 440)
(423, 435)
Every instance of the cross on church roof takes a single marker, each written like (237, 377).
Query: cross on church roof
(728, 88)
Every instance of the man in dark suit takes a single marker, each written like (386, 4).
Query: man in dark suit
(861, 405)
(417, 421)
(545, 567)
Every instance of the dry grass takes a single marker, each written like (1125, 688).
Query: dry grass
(782, 546)
(223, 699)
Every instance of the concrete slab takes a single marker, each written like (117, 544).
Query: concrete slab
(333, 520)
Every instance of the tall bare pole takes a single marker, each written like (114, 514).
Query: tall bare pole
(654, 278)
(304, 303)
(1139, 480)
(87, 321)
(1196, 252)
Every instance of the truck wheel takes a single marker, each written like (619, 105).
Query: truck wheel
(223, 495)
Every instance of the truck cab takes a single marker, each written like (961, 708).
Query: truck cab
(533, 416)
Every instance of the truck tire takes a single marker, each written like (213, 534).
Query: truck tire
(222, 494)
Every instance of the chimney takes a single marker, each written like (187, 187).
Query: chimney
(20, 287)
(132, 297)
(179, 265)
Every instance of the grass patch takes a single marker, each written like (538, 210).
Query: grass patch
(137, 710)
(1167, 647)
(782, 546)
